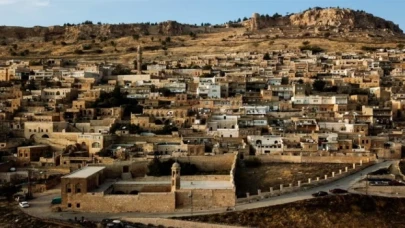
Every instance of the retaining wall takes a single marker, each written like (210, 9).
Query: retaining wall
(174, 223)
(313, 159)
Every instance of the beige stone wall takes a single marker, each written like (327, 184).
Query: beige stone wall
(391, 190)
(203, 199)
(128, 188)
(144, 202)
(187, 178)
(115, 169)
(313, 159)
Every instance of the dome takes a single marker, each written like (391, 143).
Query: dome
(176, 165)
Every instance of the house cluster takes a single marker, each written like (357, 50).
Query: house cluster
(58, 112)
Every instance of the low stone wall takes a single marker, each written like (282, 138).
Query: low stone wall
(386, 190)
(186, 178)
(174, 223)
(313, 159)
(292, 187)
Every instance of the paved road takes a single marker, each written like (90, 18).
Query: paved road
(40, 207)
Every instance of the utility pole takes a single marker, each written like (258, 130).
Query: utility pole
(29, 193)
(366, 184)
(191, 202)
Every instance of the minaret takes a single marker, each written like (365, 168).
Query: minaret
(139, 60)
(175, 176)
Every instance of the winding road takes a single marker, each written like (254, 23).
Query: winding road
(40, 206)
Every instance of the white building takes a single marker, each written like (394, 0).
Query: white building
(266, 144)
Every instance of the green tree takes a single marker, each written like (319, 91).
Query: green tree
(168, 39)
(266, 56)
(135, 36)
(8, 190)
(284, 81)
(154, 167)
(306, 43)
(319, 85)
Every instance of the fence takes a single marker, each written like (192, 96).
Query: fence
(304, 184)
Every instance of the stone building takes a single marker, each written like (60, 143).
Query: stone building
(87, 190)
(27, 154)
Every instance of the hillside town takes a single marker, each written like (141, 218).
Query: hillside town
(95, 128)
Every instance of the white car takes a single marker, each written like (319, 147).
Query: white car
(24, 204)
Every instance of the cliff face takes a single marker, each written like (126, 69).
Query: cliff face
(88, 31)
(345, 19)
(172, 28)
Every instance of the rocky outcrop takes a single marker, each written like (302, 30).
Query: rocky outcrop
(328, 18)
(72, 33)
(89, 31)
(172, 28)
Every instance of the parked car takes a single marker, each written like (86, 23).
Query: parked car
(24, 204)
(56, 200)
(319, 194)
(338, 191)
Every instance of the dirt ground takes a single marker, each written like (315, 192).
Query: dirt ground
(272, 175)
(332, 211)
(12, 217)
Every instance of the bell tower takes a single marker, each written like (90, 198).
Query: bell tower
(175, 176)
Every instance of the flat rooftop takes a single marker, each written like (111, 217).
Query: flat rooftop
(85, 172)
(34, 146)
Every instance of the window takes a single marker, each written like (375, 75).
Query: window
(78, 190)
(69, 190)
(69, 205)
(78, 205)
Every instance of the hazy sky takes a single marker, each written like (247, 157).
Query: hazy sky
(57, 12)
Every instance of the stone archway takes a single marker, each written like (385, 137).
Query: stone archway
(45, 136)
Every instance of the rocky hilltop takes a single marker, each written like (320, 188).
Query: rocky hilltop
(325, 19)
(90, 31)
(313, 20)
